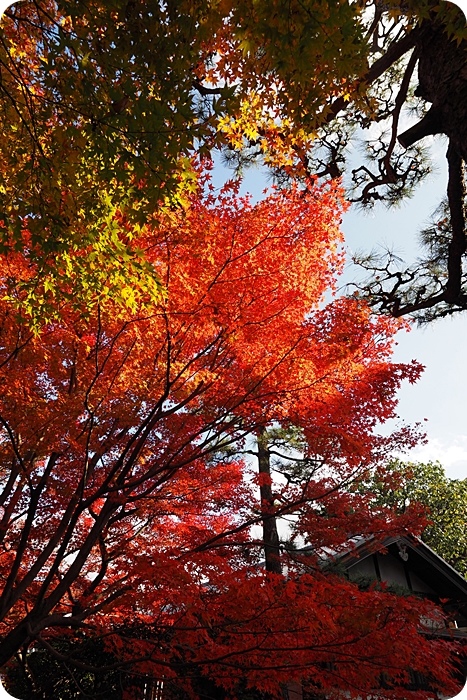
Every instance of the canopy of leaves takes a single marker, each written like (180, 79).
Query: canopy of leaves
(125, 493)
(104, 105)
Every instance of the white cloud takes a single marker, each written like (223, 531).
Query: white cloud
(451, 455)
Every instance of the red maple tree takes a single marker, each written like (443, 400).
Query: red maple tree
(125, 489)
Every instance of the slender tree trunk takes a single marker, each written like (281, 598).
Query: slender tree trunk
(270, 535)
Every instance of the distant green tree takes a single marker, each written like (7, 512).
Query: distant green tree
(445, 500)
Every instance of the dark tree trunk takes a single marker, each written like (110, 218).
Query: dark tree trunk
(442, 77)
(270, 535)
(18, 637)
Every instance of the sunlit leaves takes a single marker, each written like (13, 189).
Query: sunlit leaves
(103, 109)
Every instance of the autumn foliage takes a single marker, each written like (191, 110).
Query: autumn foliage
(127, 494)
(104, 105)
